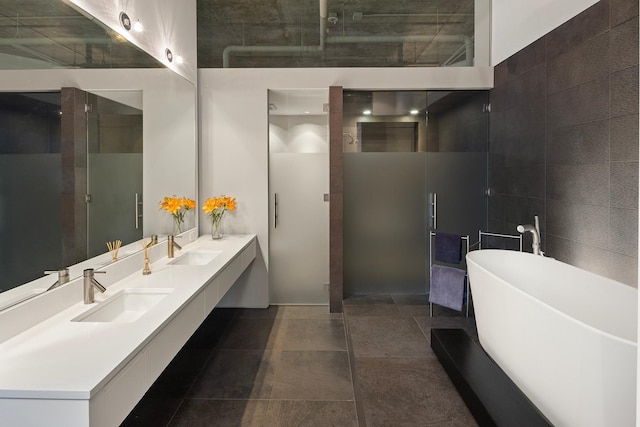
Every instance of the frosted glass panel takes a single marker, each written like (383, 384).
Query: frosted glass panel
(299, 240)
(114, 180)
(384, 223)
(459, 180)
(30, 216)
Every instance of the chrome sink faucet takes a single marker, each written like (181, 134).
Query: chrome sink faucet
(535, 231)
(89, 282)
(171, 243)
(63, 277)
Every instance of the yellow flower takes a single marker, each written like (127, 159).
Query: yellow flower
(177, 207)
(230, 203)
(216, 206)
(188, 203)
(171, 205)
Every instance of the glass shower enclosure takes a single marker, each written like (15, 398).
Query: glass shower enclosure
(414, 163)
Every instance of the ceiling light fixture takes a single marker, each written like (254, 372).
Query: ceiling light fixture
(367, 112)
(414, 111)
(137, 26)
(125, 21)
(168, 54)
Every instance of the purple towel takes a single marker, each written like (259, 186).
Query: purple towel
(448, 248)
(447, 286)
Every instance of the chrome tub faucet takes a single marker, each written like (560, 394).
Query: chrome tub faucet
(535, 231)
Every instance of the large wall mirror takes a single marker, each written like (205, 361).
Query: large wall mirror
(93, 134)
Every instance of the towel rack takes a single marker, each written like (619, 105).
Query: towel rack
(466, 278)
(502, 236)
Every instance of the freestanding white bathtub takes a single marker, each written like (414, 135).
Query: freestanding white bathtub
(566, 337)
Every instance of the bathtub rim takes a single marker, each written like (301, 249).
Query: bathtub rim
(599, 331)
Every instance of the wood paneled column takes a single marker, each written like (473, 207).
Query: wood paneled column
(73, 149)
(335, 200)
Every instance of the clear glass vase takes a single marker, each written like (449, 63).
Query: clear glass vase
(177, 225)
(215, 227)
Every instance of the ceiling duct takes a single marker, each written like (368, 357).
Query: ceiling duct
(265, 50)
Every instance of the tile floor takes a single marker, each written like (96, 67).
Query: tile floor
(302, 366)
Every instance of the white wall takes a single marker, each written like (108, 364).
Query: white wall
(169, 126)
(234, 128)
(515, 24)
(299, 134)
(167, 24)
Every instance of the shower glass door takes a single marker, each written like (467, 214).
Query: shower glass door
(298, 197)
(114, 140)
(402, 150)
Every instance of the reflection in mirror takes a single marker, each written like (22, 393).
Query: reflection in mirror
(53, 34)
(30, 186)
(46, 46)
(70, 181)
(114, 145)
(169, 165)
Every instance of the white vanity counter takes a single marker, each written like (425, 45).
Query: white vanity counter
(97, 371)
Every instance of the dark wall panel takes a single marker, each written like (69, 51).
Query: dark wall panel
(564, 140)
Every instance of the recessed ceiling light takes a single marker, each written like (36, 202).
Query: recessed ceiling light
(414, 112)
(168, 54)
(125, 21)
(367, 112)
(307, 112)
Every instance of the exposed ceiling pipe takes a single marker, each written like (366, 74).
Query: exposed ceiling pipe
(468, 45)
(226, 54)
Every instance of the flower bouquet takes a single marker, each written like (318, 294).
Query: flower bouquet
(215, 207)
(177, 207)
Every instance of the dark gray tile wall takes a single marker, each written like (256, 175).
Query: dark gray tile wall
(463, 128)
(564, 141)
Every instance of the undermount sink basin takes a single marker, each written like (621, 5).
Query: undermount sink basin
(196, 258)
(125, 306)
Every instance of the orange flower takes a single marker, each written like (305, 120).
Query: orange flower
(177, 207)
(216, 206)
(171, 205)
(188, 204)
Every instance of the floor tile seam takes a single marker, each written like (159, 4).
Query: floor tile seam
(173, 416)
(274, 350)
(277, 374)
(240, 399)
(427, 357)
(355, 385)
(423, 332)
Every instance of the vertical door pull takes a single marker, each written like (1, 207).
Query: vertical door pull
(275, 211)
(435, 211)
(138, 210)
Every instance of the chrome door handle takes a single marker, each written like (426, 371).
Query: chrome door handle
(434, 214)
(275, 210)
(138, 209)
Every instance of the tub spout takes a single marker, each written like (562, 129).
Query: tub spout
(535, 231)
